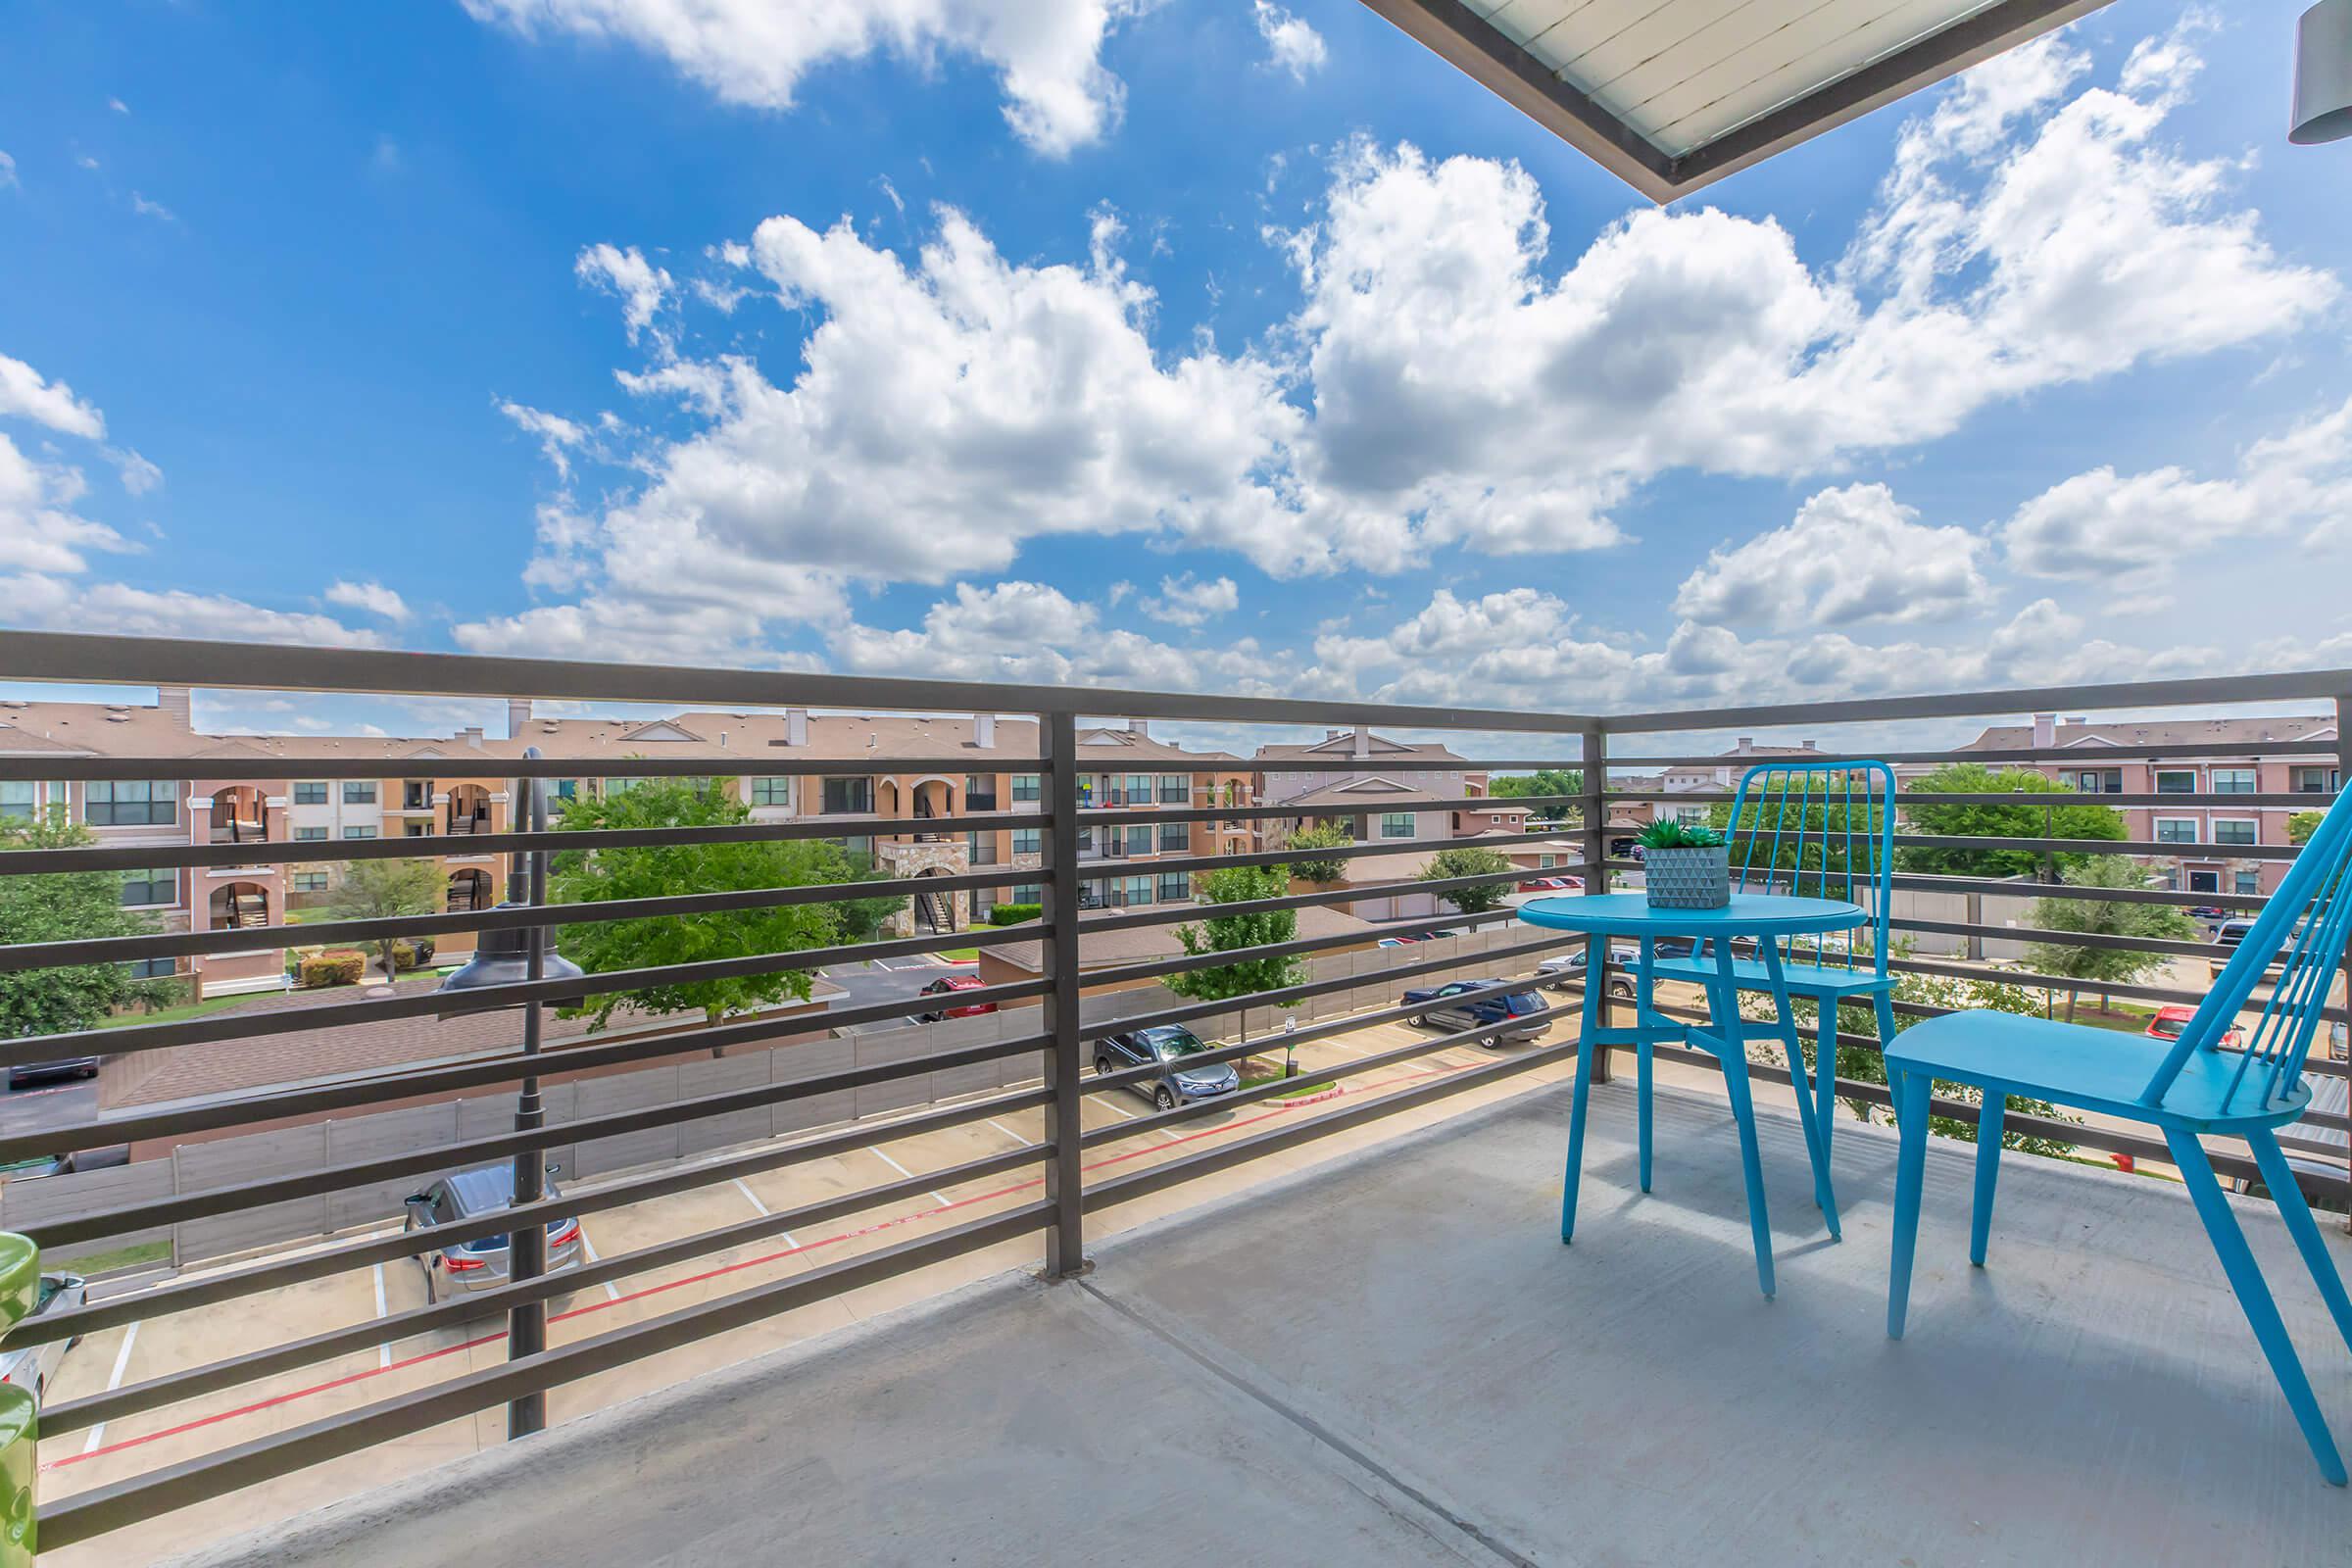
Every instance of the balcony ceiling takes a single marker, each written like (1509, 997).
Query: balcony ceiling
(1672, 95)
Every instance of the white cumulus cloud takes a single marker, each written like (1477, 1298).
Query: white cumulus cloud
(1187, 601)
(1290, 44)
(370, 596)
(24, 394)
(1850, 554)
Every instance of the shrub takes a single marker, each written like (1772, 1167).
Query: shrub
(341, 967)
(1015, 913)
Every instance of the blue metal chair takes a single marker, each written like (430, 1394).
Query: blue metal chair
(1813, 829)
(2195, 1087)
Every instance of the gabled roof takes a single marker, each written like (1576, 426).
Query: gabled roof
(1671, 95)
(1368, 793)
(1339, 748)
(2227, 735)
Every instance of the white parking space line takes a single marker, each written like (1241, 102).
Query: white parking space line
(904, 1171)
(750, 1197)
(383, 1351)
(1106, 1103)
(114, 1381)
(588, 1247)
(1025, 1142)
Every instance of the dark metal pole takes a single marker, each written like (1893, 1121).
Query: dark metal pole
(527, 1248)
(1066, 1238)
(1596, 750)
(2343, 780)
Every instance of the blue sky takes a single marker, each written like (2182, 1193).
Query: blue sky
(1197, 344)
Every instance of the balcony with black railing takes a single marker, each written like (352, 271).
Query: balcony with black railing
(972, 1289)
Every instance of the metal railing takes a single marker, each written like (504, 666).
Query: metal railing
(1037, 1062)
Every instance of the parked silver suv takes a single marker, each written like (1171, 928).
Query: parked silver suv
(482, 1263)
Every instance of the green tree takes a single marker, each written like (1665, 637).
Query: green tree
(1469, 859)
(1223, 933)
(2103, 917)
(2068, 817)
(595, 876)
(66, 906)
(860, 919)
(2302, 825)
(1542, 781)
(1328, 836)
(1860, 1063)
(385, 890)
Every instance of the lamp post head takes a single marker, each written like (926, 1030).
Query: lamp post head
(503, 959)
(2322, 109)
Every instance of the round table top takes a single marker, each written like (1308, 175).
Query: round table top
(1749, 914)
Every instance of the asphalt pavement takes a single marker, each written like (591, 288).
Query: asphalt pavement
(886, 980)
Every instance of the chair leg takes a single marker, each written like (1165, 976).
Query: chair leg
(1587, 1047)
(1824, 1072)
(2254, 1298)
(1724, 1003)
(1882, 1003)
(1988, 1170)
(1910, 1171)
(1642, 1075)
(2287, 1194)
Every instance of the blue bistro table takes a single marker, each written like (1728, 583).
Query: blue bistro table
(1765, 919)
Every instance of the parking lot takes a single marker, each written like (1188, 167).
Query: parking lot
(159, 1347)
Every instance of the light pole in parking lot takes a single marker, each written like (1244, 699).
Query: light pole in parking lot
(509, 956)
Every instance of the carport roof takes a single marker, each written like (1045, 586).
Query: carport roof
(1671, 95)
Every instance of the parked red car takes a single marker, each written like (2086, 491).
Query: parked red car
(2169, 1021)
(949, 986)
(1552, 884)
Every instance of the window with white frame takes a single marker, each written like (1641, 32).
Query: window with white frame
(310, 791)
(358, 832)
(305, 833)
(129, 801)
(2315, 780)
(1026, 840)
(18, 800)
(2176, 830)
(2233, 830)
(1175, 836)
(769, 790)
(1175, 887)
(314, 881)
(1026, 791)
(2234, 781)
(1396, 824)
(2246, 883)
(2100, 780)
(359, 792)
(2176, 781)
(1139, 838)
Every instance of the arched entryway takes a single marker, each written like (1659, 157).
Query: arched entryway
(468, 809)
(239, 906)
(931, 799)
(469, 891)
(239, 815)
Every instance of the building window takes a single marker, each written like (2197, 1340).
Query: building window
(2176, 830)
(852, 795)
(1175, 788)
(2233, 830)
(16, 800)
(1137, 890)
(862, 845)
(2247, 883)
(1136, 790)
(769, 790)
(1175, 887)
(358, 832)
(1396, 824)
(1175, 836)
(981, 848)
(307, 881)
(2176, 781)
(311, 792)
(416, 831)
(980, 792)
(1024, 791)
(1087, 783)
(417, 795)
(567, 789)
(152, 968)
(611, 787)
(2233, 781)
(1027, 841)
(1025, 893)
(130, 802)
(1139, 838)
(359, 792)
(2315, 781)
(306, 834)
(143, 888)
(1544, 862)
(2100, 781)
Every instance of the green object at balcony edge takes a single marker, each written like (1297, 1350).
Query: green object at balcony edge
(20, 1413)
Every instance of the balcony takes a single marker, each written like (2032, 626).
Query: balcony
(1324, 1319)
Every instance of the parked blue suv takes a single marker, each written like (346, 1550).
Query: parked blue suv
(1509, 1013)
(1166, 1045)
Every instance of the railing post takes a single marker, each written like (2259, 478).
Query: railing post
(1066, 1239)
(1596, 750)
(2343, 781)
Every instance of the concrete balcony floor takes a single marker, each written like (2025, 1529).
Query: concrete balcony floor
(1389, 1358)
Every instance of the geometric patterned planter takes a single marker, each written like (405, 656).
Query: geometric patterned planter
(1689, 879)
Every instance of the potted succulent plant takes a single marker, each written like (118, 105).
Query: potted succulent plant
(1686, 867)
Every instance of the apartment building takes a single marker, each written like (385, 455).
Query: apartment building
(1345, 777)
(2203, 814)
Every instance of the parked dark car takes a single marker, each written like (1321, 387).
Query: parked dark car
(35, 1364)
(482, 1263)
(1508, 1011)
(949, 986)
(40, 1073)
(1167, 1046)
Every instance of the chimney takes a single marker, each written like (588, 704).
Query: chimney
(2045, 729)
(471, 735)
(1331, 734)
(984, 731)
(1747, 743)
(174, 701)
(796, 726)
(1363, 741)
(518, 713)
(1140, 728)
